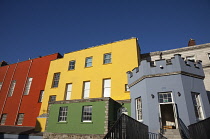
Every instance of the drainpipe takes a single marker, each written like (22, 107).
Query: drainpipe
(23, 91)
(8, 87)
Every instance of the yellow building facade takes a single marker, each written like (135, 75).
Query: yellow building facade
(94, 72)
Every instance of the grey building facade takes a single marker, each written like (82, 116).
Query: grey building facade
(192, 51)
(167, 90)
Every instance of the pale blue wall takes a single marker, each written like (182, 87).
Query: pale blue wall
(172, 83)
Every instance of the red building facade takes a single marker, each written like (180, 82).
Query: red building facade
(21, 90)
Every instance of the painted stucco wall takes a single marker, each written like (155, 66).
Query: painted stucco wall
(19, 103)
(200, 52)
(74, 123)
(125, 55)
(175, 77)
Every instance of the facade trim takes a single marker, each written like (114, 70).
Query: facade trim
(166, 74)
(180, 49)
(80, 100)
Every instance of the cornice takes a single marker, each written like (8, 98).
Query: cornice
(165, 74)
(172, 51)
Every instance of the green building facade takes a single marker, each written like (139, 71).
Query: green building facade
(85, 116)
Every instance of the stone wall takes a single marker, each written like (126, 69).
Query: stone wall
(48, 135)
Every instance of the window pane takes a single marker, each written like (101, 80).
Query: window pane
(20, 119)
(0, 85)
(87, 114)
(127, 88)
(41, 95)
(165, 97)
(86, 91)
(88, 62)
(68, 91)
(12, 88)
(28, 86)
(72, 65)
(138, 109)
(107, 58)
(3, 119)
(197, 106)
(107, 88)
(63, 114)
(56, 80)
(52, 98)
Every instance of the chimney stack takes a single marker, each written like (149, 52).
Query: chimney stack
(191, 42)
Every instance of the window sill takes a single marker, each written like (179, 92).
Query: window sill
(71, 70)
(127, 91)
(106, 63)
(62, 122)
(86, 122)
(88, 67)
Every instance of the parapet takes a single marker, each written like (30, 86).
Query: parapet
(165, 67)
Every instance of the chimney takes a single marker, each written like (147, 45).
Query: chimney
(3, 63)
(191, 42)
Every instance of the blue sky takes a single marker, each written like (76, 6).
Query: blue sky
(32, 28)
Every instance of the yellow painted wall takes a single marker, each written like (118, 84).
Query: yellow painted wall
(124, 57)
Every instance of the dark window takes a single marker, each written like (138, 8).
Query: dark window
(41, 95)
(72, 65)
(88, 62)
(20, 118)
(87, 114)
(63, 114)
(107, 58)
(52, 98)
(3, 119)
(56, 80)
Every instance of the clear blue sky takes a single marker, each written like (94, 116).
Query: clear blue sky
(32, 28)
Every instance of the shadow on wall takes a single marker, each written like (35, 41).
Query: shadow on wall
(35, 132)
(38, 127)
(208, 94)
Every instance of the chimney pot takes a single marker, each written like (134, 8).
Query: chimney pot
(191, 42)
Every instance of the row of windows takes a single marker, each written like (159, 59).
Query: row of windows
(12, 87)
(86, 89)
(86, 114)
(88, 61)
(167, 98)
(19, 120)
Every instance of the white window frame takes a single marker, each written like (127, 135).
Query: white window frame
(86, 89)
(87, 114)
(41, 95)
(107, 87)
(63, 111)
(167, 97)
(28, 86)
(127, 89)
(68, 91)
(1, 84)
(88, 61)
(20, 119)
(72, 65)
(3, 119)
(12, 88)
(107, 58)
(56, 79)
(138, 104)
(197, 106)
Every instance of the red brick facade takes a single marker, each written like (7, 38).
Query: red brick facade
(17, 103)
